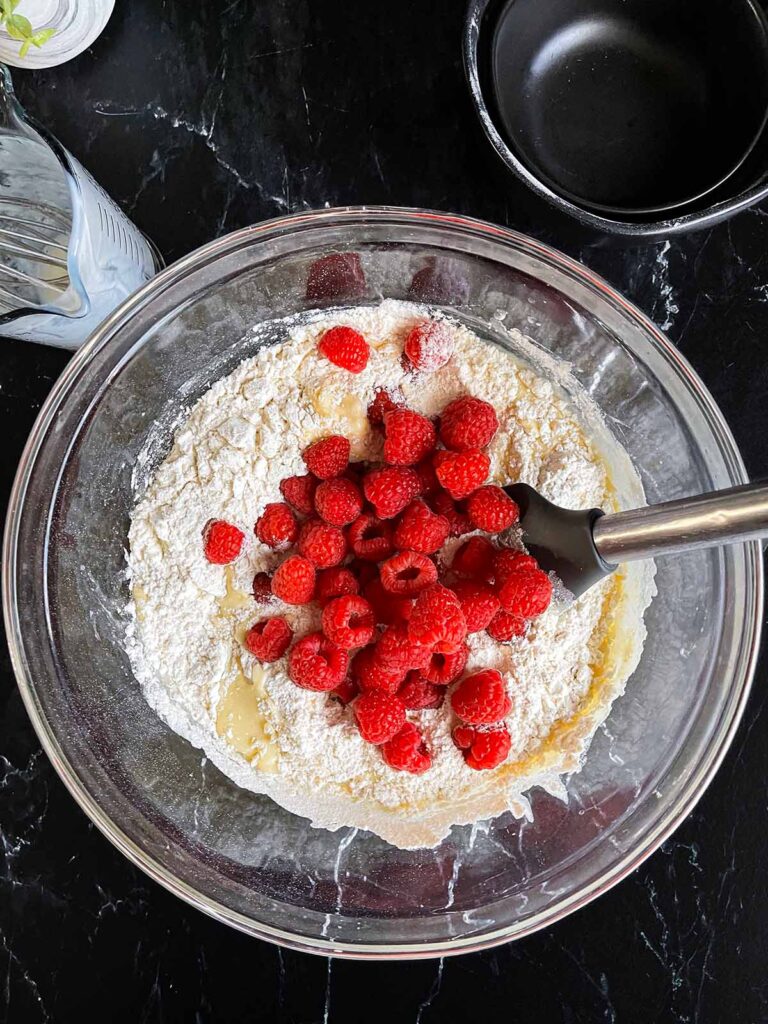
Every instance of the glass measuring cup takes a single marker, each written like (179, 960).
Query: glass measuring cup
(68, 254)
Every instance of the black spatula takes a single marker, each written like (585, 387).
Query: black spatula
(583, 547)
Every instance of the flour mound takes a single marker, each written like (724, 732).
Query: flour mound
(229, 455)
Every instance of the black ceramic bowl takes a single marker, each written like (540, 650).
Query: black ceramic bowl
(637, 117)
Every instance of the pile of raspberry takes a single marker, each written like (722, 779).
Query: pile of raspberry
(364, 541)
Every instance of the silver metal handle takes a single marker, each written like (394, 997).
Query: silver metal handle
(705, 520)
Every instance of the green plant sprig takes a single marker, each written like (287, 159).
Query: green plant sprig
(19, 27)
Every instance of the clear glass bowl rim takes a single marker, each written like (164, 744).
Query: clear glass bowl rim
(701, 774)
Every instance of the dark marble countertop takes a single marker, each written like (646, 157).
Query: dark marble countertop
(202, 117)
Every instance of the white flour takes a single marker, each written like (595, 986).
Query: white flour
(242, 438)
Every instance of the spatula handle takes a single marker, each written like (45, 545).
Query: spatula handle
(705, 520)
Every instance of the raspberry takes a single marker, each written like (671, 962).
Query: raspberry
(491, 509)
(294, 580)
(345, 347)
(442, 669)
(387, 608)
(336, 276)
(506, 561)
(429, 346)
(454, 512)
(370, 674)
(335, 582)
(460, 473)
(407, 572)
(338, 501)
(345, 692)
(379, 715)
(322, 544)
(481, 699)
(417, 693)
(475, 558)
(262, 587)
(348, 622)
(390, 489)
(276, 526)
(467, 423)
(526, 592)
(504, 626)
(420, 529)
(299, 491)
(427, 480)
(383, 402)
(408, 437)
(485, 748)
(327, 458)
(269, 640)
(478, 602)
(396, 650)
(437, 620)
(370, 538)
(407, 751)
(222, 542)
(314, 663)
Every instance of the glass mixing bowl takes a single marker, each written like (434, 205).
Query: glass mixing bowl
(237, 856)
